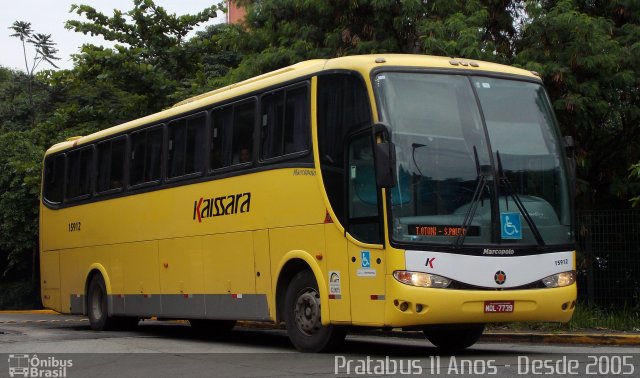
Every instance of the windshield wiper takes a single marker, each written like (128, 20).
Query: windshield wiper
(502, 177)
(483, 172)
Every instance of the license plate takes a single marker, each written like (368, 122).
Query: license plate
(498, 307)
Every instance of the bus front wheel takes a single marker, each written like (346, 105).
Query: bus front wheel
(97, 304)
(302, 317)
(454, 337)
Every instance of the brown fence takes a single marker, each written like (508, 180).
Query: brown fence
(609, 258)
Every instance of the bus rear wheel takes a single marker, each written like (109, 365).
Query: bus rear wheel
(454, 337)
(99, 319)
(302, 317)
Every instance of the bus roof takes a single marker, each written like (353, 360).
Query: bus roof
(360, 63)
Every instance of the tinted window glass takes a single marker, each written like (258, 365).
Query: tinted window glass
(79, 173)
(243, 126)
(54, 179)
(232, 134)
(111, 158)
(220, 121)
(185, 154)
(364, 222)
(285, 122)
(146, 156)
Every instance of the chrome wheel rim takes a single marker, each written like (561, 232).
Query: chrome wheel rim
(307, 312)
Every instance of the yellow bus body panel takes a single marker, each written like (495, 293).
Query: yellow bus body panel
(50, 278)
(442, 306)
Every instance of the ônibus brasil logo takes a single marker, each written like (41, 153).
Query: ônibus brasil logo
(25, 365)
(223, 205)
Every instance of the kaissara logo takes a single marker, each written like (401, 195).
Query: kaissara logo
(223, 205)
(500, 277)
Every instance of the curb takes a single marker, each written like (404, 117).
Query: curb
(567, 338)
(23, 312)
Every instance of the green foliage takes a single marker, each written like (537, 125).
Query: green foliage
(587, 53)
(20, 161)
(284, 32)
(18, 295)
(44, 46)
(152, 61)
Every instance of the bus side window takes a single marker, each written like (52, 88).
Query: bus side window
(285, 122)
(272, 121)
(111, 158)
(220, 122)
(54, 179)
(184, 146)
(146, 156)
(243, 126)
(79, 173)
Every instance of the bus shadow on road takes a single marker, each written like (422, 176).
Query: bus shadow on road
(356, 343)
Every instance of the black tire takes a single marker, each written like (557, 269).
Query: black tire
(454, 338)
(97, 309)
(302, 317)
(212, 328)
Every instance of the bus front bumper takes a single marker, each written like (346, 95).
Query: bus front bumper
(414, 306)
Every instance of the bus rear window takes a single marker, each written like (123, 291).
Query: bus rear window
(54, 179)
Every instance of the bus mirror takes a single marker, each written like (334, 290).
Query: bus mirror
(385, 156)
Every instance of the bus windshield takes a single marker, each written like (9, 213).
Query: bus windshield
(478, 159)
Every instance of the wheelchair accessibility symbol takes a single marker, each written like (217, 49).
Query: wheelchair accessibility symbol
(365, 258)
(510, 226)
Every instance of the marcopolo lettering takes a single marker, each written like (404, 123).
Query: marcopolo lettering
(219, 206)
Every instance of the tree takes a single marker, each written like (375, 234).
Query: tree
(44, 52)
(283, 32)
(586, 53)
(152, 29)
(153, 65)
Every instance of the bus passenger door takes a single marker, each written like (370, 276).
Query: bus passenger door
(366, 257)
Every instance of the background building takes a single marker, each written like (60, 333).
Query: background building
(235, 13)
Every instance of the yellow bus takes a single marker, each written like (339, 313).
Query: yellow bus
(405, 191)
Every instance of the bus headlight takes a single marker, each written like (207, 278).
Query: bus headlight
(560, 279)
(421, 279)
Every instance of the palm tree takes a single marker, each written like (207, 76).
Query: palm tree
(45, 52)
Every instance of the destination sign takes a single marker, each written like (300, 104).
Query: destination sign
(442, 230)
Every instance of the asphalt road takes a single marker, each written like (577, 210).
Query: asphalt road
(60, 345)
